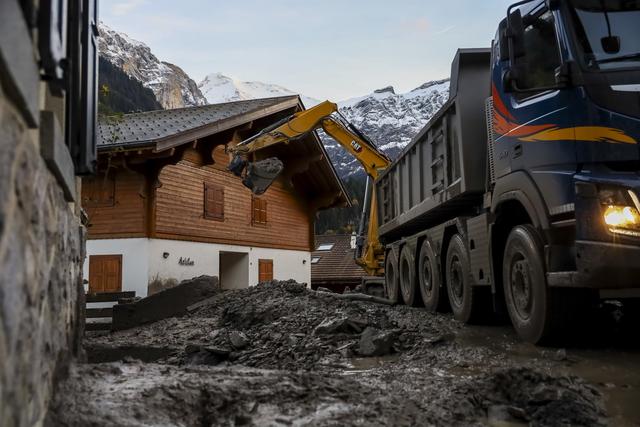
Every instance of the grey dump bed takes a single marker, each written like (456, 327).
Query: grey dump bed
(441, 174)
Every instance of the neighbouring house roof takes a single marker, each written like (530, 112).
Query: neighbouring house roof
(336, 263)
(163, 130)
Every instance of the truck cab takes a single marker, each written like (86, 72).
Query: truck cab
(551, 221)
(565, 133)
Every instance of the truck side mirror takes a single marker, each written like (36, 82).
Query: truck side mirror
(510, 80)
(610, 44)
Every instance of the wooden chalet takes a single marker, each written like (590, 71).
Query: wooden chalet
(164, 208)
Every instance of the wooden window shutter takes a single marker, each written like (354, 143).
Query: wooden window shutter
(259, 211)
(82, 85)
(265, 270)
(213, 201)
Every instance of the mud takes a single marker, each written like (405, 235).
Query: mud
(280, 354)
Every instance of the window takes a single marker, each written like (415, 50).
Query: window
(99, 192)
(265, 270)
(213, 202)
(537, 69)
(595, 21)
(258, 211)
(315, 260)
(325, 247)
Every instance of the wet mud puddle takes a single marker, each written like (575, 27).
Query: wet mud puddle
(613, 371)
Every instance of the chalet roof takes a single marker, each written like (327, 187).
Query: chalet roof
(153, 126)
(336, 264)
(163, 130)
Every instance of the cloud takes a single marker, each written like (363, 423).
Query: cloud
(417, 25)
(444, 30)
(123, 7)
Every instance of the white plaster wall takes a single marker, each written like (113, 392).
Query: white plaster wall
(204, 256)
(287, 264)
(135, 257)
(142, 261)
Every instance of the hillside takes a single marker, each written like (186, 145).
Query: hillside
(119, 93)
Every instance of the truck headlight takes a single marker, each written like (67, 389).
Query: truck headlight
(621, 211)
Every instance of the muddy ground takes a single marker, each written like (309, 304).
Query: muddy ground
(280, 354)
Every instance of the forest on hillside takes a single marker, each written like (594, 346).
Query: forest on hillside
(344, 220)
(119, 93)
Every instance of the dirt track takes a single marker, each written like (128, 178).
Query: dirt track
(279, 354)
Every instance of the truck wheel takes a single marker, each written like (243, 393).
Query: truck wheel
(464, 299)
(391, 277)
(525, 287)
(408, 281)
(430, 290)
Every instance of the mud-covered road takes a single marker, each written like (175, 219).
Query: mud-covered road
(279, 354)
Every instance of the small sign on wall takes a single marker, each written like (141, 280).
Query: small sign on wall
(186, 262)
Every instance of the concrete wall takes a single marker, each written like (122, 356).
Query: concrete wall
(160, 258)
(41, 251)
(234, 270)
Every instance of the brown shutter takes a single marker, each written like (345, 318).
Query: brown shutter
(105, 273)
(265, 270)
(213, 201)
(259, 211)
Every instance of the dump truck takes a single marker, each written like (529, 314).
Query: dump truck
(522, 194)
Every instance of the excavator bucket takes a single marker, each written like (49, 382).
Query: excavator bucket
(260, 175)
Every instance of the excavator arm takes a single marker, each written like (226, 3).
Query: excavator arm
(258, 176)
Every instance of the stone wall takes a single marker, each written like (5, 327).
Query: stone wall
(41, 253)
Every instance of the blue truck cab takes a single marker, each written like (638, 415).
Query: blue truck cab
(552, 222)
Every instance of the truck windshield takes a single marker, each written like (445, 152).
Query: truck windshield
(608, 32)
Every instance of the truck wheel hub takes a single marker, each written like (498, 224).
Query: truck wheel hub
(455, 273)
(426, 276)
(521, 287)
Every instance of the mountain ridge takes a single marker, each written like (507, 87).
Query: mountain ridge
(389, 119)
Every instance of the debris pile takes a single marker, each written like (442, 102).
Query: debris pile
(281, 325)
(281, 354)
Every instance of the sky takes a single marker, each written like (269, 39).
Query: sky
(325, 49)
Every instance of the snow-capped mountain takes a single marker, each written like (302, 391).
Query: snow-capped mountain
(390, 120)
(172, 87)
(217, 88)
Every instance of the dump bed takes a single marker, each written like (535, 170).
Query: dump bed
(441, 173)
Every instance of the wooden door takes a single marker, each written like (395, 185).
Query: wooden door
(265, 270)
(105, 273)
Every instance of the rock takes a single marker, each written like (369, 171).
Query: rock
(506, 415)
(374, 342)
(238, 339)
(560, 355)
(340, 325)
(321, 289)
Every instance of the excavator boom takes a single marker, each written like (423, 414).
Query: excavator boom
(259, 175)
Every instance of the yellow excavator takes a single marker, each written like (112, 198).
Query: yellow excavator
(258, 176)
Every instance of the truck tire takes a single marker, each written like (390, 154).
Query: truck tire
(538, 314)
(391, 277)
(464, 299)
(433, 297)
(408, 281)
